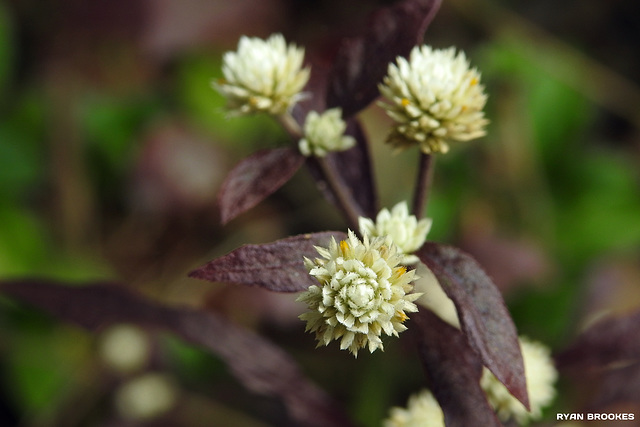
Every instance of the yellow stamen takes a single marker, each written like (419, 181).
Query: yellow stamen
(402, 270)
(474, 81)
(344, 246)
(400, 315)
(405, 102)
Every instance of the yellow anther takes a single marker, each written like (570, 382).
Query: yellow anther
(344, 246)
(405, 102)
(474, 81)
(402, 270)
(400, 315)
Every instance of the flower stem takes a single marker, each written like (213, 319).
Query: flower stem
(290, 125)
(423, 184)
(344, 198)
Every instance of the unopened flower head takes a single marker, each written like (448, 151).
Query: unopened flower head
(422, 411)
(324, 133)
(406, 232)
(263, 76)
(435, 97)
(540, 374)
(362, 292)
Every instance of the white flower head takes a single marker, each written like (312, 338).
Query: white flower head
(435, 97)
(540, 374)
(406, 232)
(422, 411)
(324, 133)
(363, 291)
(263, 76)
(125, 348)
(146, 397)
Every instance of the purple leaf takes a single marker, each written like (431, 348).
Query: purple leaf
(355, 171)
(276, 266)
(603, 363)
(611, 340)
(483, 314)
(362, 62)
(258, 364)
(617, 386)
(453, 370)
(255, 178)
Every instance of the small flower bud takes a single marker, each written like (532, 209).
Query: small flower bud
(324, 133)
(406, 232)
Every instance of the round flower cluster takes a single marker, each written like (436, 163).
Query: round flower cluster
(324, 133)
(363, 291)
(262, 76)
(541, 375)
(422, 411)
(435, 97)
(407, 233)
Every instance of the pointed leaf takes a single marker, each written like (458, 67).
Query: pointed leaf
(355, 170)
(453, 370)
(361, 63)
(483, 314)
(276, 266)
(255, 178)
(258, 364)
(611, 340)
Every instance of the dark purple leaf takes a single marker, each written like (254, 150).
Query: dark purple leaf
(258, 364)
(611, 340)
(361, 63)
(619, 385)
(483, 314)
(354, 169)
(453, 370)
(276, 266)
(255, 178)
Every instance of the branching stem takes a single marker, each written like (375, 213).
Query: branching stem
(344, 198)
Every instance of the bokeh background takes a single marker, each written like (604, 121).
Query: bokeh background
(113, 146)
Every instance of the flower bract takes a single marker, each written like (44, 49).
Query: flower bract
(435, 98)
(263, 76)
(362, 292)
